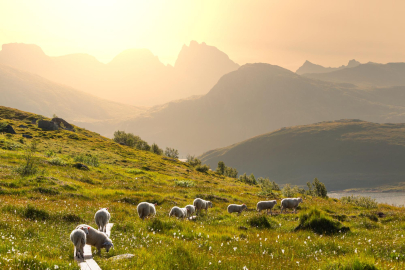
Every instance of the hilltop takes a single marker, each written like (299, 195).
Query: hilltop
(343, 154)
(260, 98)
(41, 204)
(309, 67)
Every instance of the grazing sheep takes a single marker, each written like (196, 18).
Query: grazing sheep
(201, 204)
(191, 209)
(97, 239)
(178, 212)
(78, 238)
(290, 203)
(266, 205)
(236, 208)
(146, 209)
(102, 217)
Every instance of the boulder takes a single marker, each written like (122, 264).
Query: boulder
(62, 123)
(9, 129)
(81, 166)
(22, 126)
(47, 125)
(27, 136)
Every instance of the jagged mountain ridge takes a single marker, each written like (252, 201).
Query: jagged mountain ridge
(309, 67)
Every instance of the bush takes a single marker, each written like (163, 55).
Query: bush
(227, 171)
(49, 153)
(155, 149)
(366, 202)
(352, 264)
(320, 223)
(131, 140)
(317, 189)
(87, 159)
(30, 165)
(202, 168)
(171, 153)
(35, 214)
(287, 191)
(185, 183)
(250, 180)
(260, 222)
(158, 225)
(57, 161)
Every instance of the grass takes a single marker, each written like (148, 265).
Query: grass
(39, 211)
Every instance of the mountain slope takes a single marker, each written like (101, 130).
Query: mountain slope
(342, 154)
(135, 76)
(309, 67)
(259, 98)
(31, 92)
(369, 75)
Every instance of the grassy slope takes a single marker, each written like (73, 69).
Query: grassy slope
(38, 213)
(342, 154)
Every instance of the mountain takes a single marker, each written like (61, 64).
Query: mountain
(342, 154)
(27, 91)
(309, 67)
(135, 76)
(367, 75)
(259, 98)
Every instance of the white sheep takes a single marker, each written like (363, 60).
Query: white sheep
(97, 239)
(146, 209)
(266, 205)
(191, 209)
(290, 203)
(178, 212)
(102, 217)
(78, 238)
(232, 208)
(201, 204)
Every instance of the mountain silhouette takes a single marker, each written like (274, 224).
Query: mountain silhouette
(259, 98)
(135, 76)
(367, 75)
(30, 92)
(342, 154)
(309, 67)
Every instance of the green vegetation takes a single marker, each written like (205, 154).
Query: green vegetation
(226, 171)
(361, 201)
(171, 152)
(318, 222)
(39, 211)
(131, 140)
(250, 180)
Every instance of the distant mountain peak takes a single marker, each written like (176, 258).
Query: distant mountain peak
(353, 63)
(309, 67)
(22, 48)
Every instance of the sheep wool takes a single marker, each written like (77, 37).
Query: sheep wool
(232, 208)
(102, 217)
(191, 209)
(266, 205)
(78, 238)
(178, 212)
(201, 204)
(290, 203)
(146, 209)
(97, 239)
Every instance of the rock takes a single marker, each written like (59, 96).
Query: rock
(48, 125)
(34, 121)
(81, 166)
(381, 214)
(9, 129)
(22, 126)
(122, 143)
(243, 228)
(27, 136)
(122, 256)
(63, 124)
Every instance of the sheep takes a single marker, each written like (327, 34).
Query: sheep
(179, 212)
(102, 217)
(290, 203)
(146, 209)
(97, 239)
(191, 209)
(236, 208)
(78, 238)
(201, 204)
(266, 205)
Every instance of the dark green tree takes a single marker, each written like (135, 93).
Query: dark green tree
(221, 168)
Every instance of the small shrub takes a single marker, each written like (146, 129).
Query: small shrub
(260, 222)
(47, 191)
(202, 168)
(35, 214)
(171, 153)
(87, 159)
(193, 161)
(155, 149)
(366, 202)
(135, 171)
(351, 264)
(250, 180)
(158, 225)
(318, 222)
(185, 183)
(57, 161)
(71, 218)
(49, 153)
(288, 192)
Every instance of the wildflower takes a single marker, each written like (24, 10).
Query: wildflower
(393, 251)
(209, 263)
(282, 251)
(219, 261)
(56, 267)
(209, 248)
(245, 268)
(355, 251)
(235, 248)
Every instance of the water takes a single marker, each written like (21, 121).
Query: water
(393, 198)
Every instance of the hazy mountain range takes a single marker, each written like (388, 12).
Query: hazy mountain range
(309, 67)
(259, 98)
(135, 76)
(342, 154)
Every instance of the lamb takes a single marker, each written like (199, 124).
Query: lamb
(191, 209)
(102, 217)
(97, 239)
(236, 208)
(201, 204)
(266, 205)
(78, 238)
(290, 203)
(146, 209)
(179, 212)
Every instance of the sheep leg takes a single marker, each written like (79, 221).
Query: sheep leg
(271, 212)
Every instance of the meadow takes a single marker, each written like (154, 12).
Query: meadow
(44, 196)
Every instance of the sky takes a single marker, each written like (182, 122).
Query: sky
(284, 33)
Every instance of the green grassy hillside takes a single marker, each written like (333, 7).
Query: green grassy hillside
(342, 154)
(42, 204)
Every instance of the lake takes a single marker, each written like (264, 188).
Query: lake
(393, 198)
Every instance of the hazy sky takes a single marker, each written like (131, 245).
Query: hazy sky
(283, 32)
